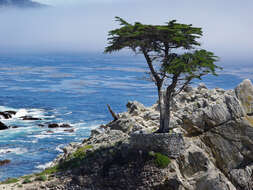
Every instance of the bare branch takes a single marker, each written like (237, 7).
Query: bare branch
(183, 86)
(152, 70)
(114, 115)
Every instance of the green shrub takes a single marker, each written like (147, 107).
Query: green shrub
(27, 180)
(161, 161)
(80, 153)
(10, 180)
(75, 159)
(49, 171)
(41, 178)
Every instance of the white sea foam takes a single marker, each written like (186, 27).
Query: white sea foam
(68, 113)
(44, 166)
(13, 150)
(21, 113)
(59, 148)
(42, 136)
(37, 113)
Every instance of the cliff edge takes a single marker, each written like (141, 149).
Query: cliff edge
(214, 148)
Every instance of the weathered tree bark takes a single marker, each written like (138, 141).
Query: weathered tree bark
(164, 105)
(162, 110)
(165, 99)
(168, 99)
(114, 115)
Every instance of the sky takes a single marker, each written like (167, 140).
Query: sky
(83, 25)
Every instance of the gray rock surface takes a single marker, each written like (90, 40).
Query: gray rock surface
(218, 136)
(171, 145)
(217, 130)
(244, 93)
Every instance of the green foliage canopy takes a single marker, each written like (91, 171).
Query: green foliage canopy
(160, 40)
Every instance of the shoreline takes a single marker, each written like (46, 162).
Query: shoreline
(199, 114)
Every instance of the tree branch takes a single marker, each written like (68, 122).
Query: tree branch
(114, 115)
(150, 65)
(184, 85)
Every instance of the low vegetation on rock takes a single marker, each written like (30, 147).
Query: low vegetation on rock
(161, 160)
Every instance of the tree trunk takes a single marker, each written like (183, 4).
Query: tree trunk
(162, 108)
(165, 99)
(168, 98)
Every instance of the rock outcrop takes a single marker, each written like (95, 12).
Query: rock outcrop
(217, 130)
(3, 126)
(4, 162)
(7, 114)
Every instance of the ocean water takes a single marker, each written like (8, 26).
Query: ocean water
(72, 89)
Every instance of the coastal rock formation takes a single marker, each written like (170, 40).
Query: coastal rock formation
(218, 154)
(55, 125)
(217, 130)
(4, 162)
(7, 114)
(30, 118)
(3, 126)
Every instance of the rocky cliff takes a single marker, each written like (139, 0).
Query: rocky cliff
(217, 152)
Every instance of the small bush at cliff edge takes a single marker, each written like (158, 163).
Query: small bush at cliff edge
(10, 180)
(161, 161)
(41, 178)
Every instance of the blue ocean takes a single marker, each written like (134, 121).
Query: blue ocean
(72, 89)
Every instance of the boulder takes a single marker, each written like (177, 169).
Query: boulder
(242, 177)
(65, 126)
(188, 88)
(96, 131)
(135, 107)
(11, 112)
(4, 162)
(69, 130)
(214, 180)
(53, 125)
(30, 118)
(124, 125)
(6, 115)
(3, 126)
(201, 86)
(216, 114)
(231, 144)
(107, 137)
(41, 125)
(198, 170)
(244, 92)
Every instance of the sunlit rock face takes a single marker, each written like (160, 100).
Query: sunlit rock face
(20, 3)
(210, 146)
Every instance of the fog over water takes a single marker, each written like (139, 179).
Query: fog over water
(82, 26)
